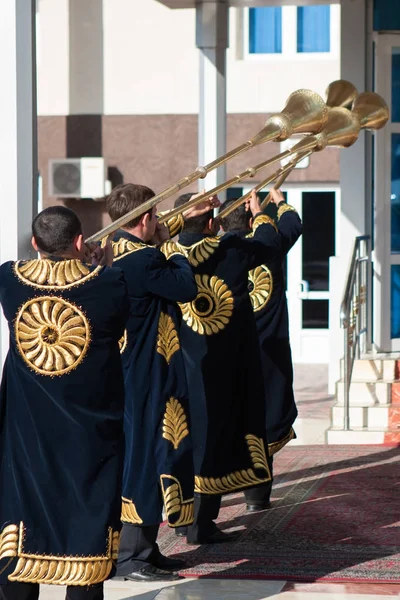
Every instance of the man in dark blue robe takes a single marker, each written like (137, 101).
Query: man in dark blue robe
(223, 365)
(268, 296)
(61, 416)
(158, 460)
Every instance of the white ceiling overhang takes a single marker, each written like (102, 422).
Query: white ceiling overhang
(192, 3)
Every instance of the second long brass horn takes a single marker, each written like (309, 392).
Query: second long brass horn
(371, 110)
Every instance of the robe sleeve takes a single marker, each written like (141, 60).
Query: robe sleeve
(174, 224)
(289, 226)
(171, 279)
(264, 243)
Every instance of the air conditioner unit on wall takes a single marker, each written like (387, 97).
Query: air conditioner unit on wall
(77, 178)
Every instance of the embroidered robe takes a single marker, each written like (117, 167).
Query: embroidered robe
(158, 455)
(61, 421)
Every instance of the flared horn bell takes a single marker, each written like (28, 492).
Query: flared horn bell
(340, 93)
(341, 131)
(371, 110)
(305, 112)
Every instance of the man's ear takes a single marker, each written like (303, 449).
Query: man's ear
(145, 220)
(78, 242)
(34, 244)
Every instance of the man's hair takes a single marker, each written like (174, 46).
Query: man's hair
(55, 229)
(237, 219)
(194, 224)
(126, 197)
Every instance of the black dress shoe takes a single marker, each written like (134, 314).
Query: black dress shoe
(256, 507)
(168, 564)
(216, 537)
(150, 573)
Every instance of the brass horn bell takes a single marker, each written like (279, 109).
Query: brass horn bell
(340, 93)
(371, 110)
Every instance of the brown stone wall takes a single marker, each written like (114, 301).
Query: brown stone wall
(155, 150)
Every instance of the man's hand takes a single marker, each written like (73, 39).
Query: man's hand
(276, 196)
(202, 208)
(161, 235)
(254, 203)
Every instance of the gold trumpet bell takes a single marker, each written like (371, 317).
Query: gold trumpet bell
(305, 112)
(340, 93)
(341, 131)
(371, 110)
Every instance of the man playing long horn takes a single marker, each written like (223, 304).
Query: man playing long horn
(61, 415)
(267, 293)
(223, 366)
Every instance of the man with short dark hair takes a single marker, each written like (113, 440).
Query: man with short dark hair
(158, 460)
(61, 414)
(220, 345)
(268, 297)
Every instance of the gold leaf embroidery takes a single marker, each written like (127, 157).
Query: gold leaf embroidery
(170, 249)
(175, 427)
(58, 570)
(285, 208)
(167, 341)
(274, 447)
(129, 514)
(238, 479)
(262, 220)
(212, 309)
(48, 274)
(52, 335)
(124, 247)
(9, 541)
(174, 503)
(123, 342)
(260, 286)
(175, 224)
(201, 251)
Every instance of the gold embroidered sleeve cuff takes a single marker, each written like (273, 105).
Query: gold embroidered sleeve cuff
(285, 208)
(174, 224)
(263, 220)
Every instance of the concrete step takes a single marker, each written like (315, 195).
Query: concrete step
(362, 435)
(371, 370)
(365, 393)
(372, 417)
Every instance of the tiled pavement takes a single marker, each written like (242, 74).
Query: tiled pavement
(314, 418)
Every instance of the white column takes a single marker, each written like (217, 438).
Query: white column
(18, 155)
(352, 176)
(212, 39)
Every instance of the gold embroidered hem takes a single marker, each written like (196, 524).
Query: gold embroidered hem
(285, 208)
(48, 274)
(212, 309)
(260, 286)
(123, 342)
(124, 247)
(263, 220)
(175, 506)
(167, 340)
(238, 479)
(129, 514)
(170, 249)
(56, 570)
(274, 447)
(52, 335)
(175, 426)
(201, 251)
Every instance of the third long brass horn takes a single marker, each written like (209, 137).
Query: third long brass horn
(371, 110)
(305, 112)
(341, 93)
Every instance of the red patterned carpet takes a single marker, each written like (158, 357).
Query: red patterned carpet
(335, 517)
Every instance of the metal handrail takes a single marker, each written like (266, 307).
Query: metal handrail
(355, 314)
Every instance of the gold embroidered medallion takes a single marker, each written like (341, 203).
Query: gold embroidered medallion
(48, 274)
(238, 479)
(180, 512)
(52, 335)
(123, 342)
(175, 426)
(129, 514)
(167, 340)
(212, 309)
(124, 247)
(260, 287)
(56, 570)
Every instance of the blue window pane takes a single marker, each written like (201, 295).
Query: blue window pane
(395, 191)
(386, 15)
(396, 85)
(395, 302)
(265, 30)
(313, 29)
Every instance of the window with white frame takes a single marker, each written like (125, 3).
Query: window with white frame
(290, 31)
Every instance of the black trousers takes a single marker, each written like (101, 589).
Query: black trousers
(30, 591)
(206, 510)
(138, 546)
(260, 494)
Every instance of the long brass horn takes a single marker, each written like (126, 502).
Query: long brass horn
(341, 93)
(305, 112)
(371, 110)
